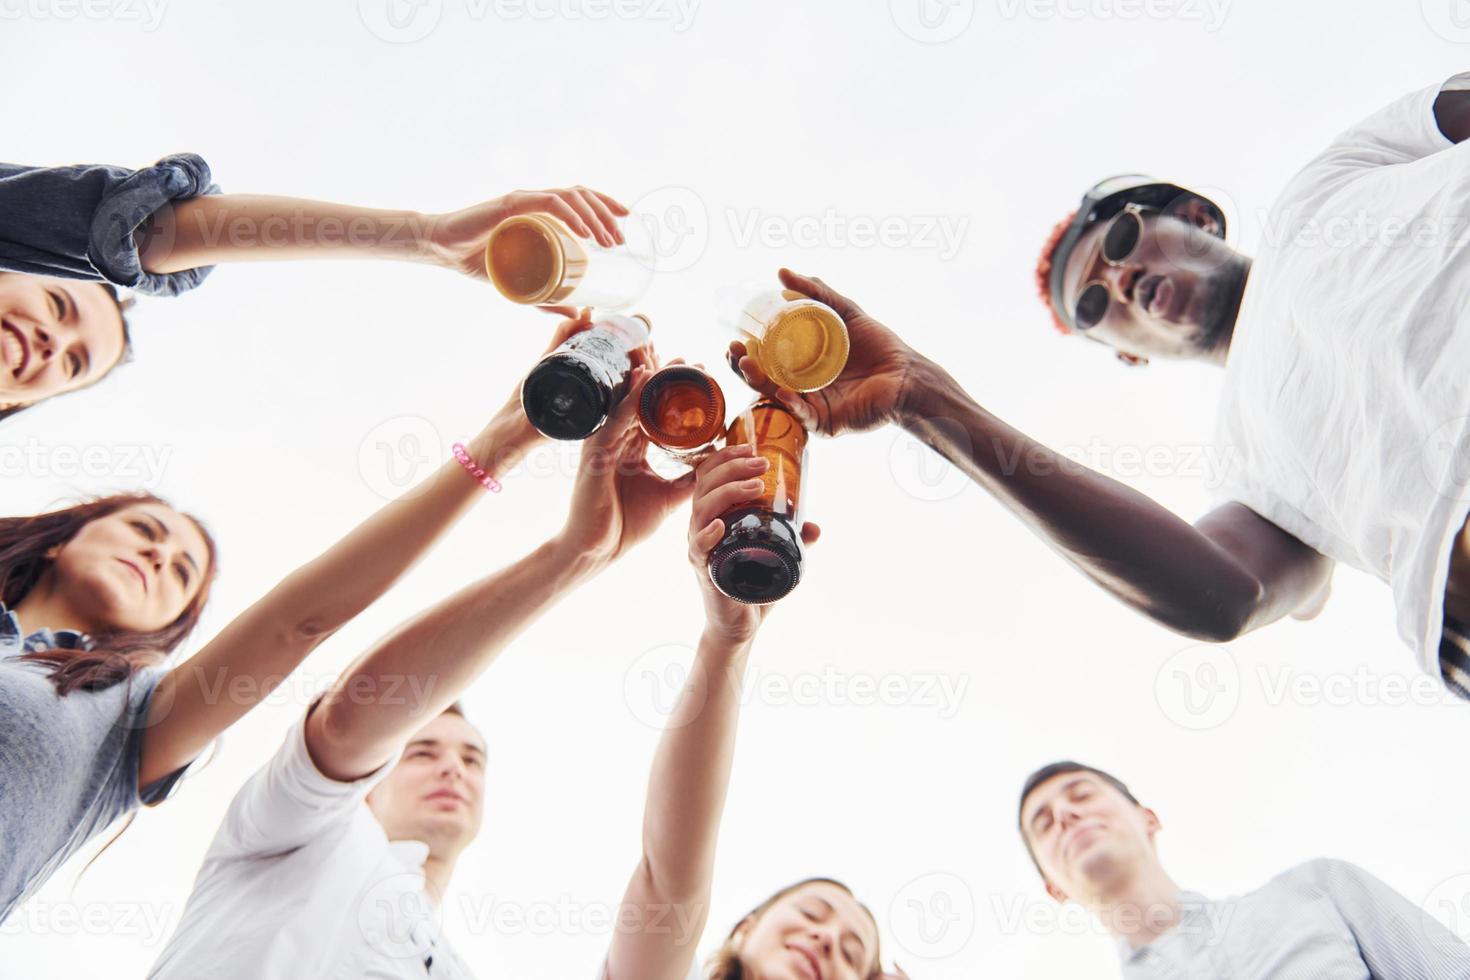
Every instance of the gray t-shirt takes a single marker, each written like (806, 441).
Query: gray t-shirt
(68, 765)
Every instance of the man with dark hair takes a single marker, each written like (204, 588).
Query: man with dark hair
(333, 859)
(1094, 844)
(1345, 420)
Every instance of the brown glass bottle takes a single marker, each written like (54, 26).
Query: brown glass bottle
(572, 390)
(682, 412)
(759, 559)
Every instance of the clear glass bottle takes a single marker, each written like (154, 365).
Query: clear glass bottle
(571, 391)
(800, 344)
(682, 412)
(760, 557)
(534, 259)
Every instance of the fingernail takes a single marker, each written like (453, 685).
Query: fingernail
(755, 484)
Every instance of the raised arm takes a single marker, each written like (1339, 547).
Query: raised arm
(209, 692)
(206, 231)
(618, 501)
(691, 769)
(1230, 573)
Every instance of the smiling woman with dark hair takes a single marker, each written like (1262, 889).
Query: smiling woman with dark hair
(72, 236)
(94, 598)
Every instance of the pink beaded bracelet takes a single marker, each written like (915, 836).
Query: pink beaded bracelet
(474, 469)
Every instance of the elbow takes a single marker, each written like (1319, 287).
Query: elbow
(1223, 620)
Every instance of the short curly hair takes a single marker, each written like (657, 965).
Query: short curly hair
(1044, 267)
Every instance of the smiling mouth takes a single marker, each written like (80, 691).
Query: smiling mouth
(136, 571)
(13, 346)
(1147, 291)
(810, 961)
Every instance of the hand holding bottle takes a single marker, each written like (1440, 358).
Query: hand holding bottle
(618, 500)
(873, 388)
(458, 238)
(722, 482)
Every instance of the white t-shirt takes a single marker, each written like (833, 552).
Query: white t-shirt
(1347, 389)
(301, 881)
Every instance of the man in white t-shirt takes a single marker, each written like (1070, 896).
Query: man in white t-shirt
(333, 859)
(1343, 423)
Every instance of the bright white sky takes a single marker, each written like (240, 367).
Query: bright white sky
(260, 402)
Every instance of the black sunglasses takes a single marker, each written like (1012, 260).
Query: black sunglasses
(1119, 241)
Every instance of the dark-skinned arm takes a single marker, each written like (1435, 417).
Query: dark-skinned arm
(1230, 573)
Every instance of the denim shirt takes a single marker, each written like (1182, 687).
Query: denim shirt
(79, 222)
(68, 764)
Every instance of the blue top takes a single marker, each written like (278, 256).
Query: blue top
(78, 222)
(68, 765)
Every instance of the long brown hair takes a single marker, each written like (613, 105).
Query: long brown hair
(726, 964)
(116, 655)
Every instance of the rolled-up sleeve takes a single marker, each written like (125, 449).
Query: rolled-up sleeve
(81, 222)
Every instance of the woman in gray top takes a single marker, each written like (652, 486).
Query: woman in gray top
(93, 720)
(72, 236)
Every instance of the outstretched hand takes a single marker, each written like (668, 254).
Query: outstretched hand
(618, 499)
(458, 238)
(872, 388)
(722, 482)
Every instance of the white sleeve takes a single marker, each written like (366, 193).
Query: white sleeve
(287, 803)
(1401, 132)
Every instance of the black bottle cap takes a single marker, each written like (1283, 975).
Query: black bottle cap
(759, 559)
(564, 398)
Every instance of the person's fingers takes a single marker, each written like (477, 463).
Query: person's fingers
(703, 541)
(802, 408)
(677, 360)
(733, 451)
(718, 458)
(554, 205)
(613, 203)
(624, 416)
(604, 215)
(589, 217)
(570, 312)
(565, 330)
(735, 469)
(722, 499)
(810, 533)
(644, 356)
(821, 292)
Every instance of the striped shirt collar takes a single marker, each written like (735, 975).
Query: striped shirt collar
(1193, 921)
(13, 636)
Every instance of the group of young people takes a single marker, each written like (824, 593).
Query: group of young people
(1340, 363)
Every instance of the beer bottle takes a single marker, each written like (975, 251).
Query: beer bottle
(800, 344)
(572, 390)
(535, 259)
(759, 559)
(682, 412)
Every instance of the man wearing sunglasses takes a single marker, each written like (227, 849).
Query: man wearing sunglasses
(1346, 400)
